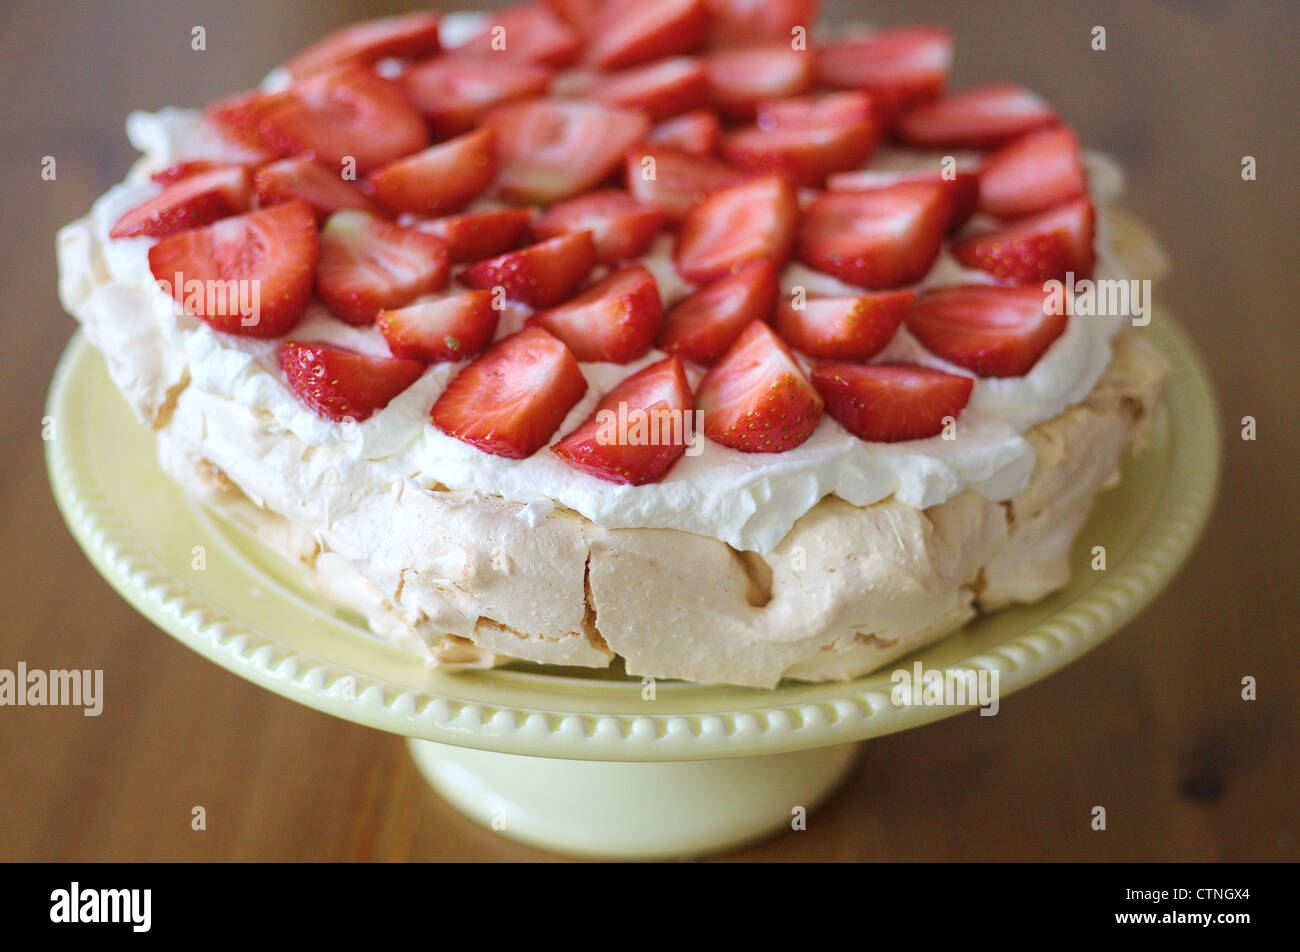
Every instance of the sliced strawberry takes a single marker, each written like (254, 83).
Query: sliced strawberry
(812, 112)
(510, 401)
(739, 79)
(527, 33)
(992, 331)
(880, 239)
(1026, 250)
(549, 149)
(583, 15)
(1032, 174)
(368, 264)
(450, 328)
(301, 177)
(440, 179)
(805, 154)
(345, 113)
(898, 67)
(757, 399)
(399, 37)
(891, 403)
(267, 258)
(745, 222)
(660, 90)
(188, 169)
(615, 320)
(697, 132)
(843, 328)
(963, 188)
(704, 325)
(638, 31)
(655, 403)
(238, 118)
(758, 22)
(622, 227)
(340, 384)
(673, 180)
(481, 235)
(190, 203)
(454, 93)
(979, 118)
(541, 275)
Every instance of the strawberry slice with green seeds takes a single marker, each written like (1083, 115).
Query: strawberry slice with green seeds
(441, 179)
(655, 402)
(300, 177)
(510, 401)
(342, 385)
(1037, 248)
(756, 399)
(991, 331)
(189, 203)
(368, 264)
(843, 328)
(450, 328)
(479, 235)
(541, 275)
(622, 227)
(752, 220)
(249, 275)
(702, 326)
(891, 403)
(615, 320)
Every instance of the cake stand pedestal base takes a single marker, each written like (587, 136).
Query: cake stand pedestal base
(632, 810)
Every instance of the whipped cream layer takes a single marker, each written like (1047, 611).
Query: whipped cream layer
(748, 501)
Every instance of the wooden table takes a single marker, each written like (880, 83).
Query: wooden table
(1186, 769)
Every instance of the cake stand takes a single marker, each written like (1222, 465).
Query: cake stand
(595, 764)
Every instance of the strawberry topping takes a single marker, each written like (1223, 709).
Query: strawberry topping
(615, 320)
(891, 403)
(480, 235)
(752, 220)
(622, 227)
(189, 203)
(342, 385)
(702, 326)
(992, 331)
(440, 179)
(851, 328)
(301, 177)
(541, 275)
(1032, 174)
(367, 264)
(450, 328)
(978, 118)
(454, 93)
(399, 37)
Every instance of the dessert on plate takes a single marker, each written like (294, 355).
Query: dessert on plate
(685, 335)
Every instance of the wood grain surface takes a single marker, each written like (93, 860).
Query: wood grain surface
(1151, 725)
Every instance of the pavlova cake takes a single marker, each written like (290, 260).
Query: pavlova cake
(676, 334)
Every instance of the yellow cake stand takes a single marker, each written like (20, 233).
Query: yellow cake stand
(588, 763)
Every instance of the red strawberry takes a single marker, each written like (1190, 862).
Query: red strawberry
(812, 112)
(511, 400)
(978, 118)
(481, 235)
(745, 222)
(541, 275)
(399, 37)
(674, 180)
(806, 155)
(622, 227)
(582, 15)
(187, 169)
(1032, 174)
(1071, 226)
(320, 188)
(755, 22)
(660, 90)
(345, 113)
(850, 328)
(527, 33)
(739, 79)
(368, 264)
(963, 188)
(450, 328)
(440, 179)
(636, 31)
(550, 149)
(898, 67)
(891, 403)
(198, 200)
(757, 399)
(992, 331)
(697, 132)
(615, 320)
(655, 401)
(454, 93)
(238, 118)
(270, 253)
(343, 385)
(880, 239)
(702, 326)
